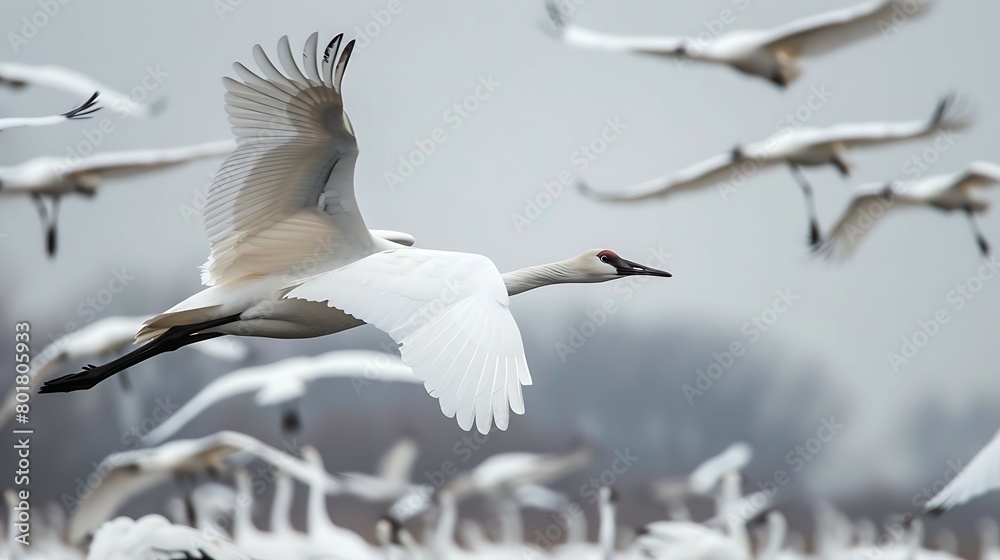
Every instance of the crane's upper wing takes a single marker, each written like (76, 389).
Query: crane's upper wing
(821, 33)
(448, 312)
(979, 174)
(585, 38)
(708, 474)
(121, 481)
(287, 193)
(980, 476)
(705, 173)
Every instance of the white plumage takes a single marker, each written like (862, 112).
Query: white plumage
(980, 476)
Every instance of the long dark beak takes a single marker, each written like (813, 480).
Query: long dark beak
(629, 268)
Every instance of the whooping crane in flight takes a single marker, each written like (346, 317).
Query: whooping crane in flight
(503, 473)
(75, 83)
(794, 147)
(104, 337)
(949, 192)
(980, 476)
(772, 54)
(57, 176)
(77, 113)
(153, 536)
(391, 480)
(127, 473)
(285, 200)
(285, 382)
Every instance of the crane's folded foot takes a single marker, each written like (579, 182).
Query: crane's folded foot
(80, 381)
(815, 240)
(984, 247)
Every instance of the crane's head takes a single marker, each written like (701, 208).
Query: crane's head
(601, 265)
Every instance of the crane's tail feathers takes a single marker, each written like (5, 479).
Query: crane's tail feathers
(158, 325)
(86, 108)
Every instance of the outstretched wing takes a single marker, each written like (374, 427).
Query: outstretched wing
(980, 476)
(947, 116)
(700, 175)
(448, 312)
(858, 220)
(287, 193)
(129, 163)
(821, 33)
(580, 37)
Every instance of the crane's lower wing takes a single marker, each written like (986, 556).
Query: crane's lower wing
(448, 312)
(858, 220)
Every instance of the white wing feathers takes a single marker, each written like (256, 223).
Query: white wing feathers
(289, 187)
(438, 306)
(980, 476)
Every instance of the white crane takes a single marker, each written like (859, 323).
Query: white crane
(292, 256)
(949, 192)
(793, 147)
(503, 473)
(604, 548)
(56, 176)
(104, 337)
(709, 474)
(980, 476)
(77, 113)
(128, 473)
(153, 537)
(285, 382)
(56, 77)
(772, 54)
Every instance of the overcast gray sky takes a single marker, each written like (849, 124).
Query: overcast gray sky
(538, 103)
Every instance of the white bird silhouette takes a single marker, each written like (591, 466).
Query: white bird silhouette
(292, 256)
(794, 147)
(127, 473)
(284, 382)
(57, 176)
(153, 537)
(949, 192)
(59, 78)
(77, 113)
(104, 337)
(980, 476)
(772, 54)
(279, 543)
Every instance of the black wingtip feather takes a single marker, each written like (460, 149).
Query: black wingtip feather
(86, 108)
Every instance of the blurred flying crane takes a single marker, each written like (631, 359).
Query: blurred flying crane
(153, 536)
(285, 382)
(794, 147)
(292, 257)
(79, 112)
(18, 76)
(772, 54)
(949, 192)
(57, 176)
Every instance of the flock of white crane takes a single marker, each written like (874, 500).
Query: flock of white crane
(284, 196)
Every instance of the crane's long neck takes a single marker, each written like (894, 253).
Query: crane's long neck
(445, 530)
(777, 530)
(243, 526)
(281, 504)
(606, 529)
(532, 277)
